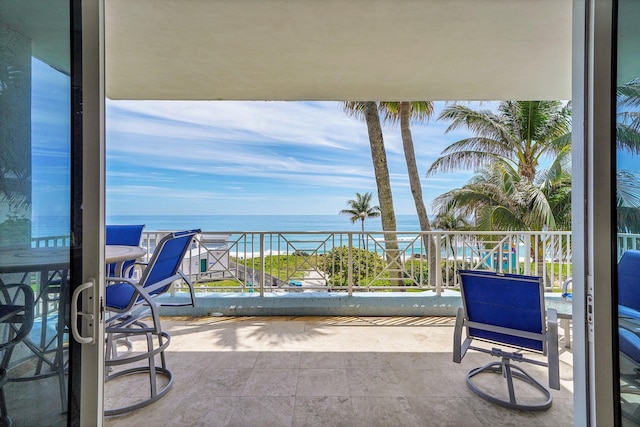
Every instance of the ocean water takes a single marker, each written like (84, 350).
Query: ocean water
(231, 223)
(56, 225)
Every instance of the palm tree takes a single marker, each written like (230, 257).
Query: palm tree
(628, 122)
(451, 221)
(628, 139)
(360, 209)
(499, 198)
(627, 202)
(15, 161)
(521, 133)
(506, 149)
(404, 112)
(369, 110)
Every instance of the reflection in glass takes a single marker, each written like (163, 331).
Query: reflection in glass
(628, 208)
(34, 211)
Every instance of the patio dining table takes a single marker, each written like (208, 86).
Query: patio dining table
(52, 266)
(56, 259)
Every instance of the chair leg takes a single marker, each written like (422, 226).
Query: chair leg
(152, 370)
(509, 372)
(4, 414)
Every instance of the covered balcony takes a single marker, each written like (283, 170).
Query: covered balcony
(328, 328)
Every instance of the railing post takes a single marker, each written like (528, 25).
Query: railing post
(527, 254)
(262, 264)
(350, 265)
(438, 263)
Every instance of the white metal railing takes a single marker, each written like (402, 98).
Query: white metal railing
(627, 241)
(51, 241)
(356, 262)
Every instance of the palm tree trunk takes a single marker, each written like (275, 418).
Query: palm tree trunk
(385, 198)
(416, 187)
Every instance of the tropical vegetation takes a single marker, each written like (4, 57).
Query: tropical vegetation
(628, 140)
(365, 265)
(360, 209)
(15, 166)
(509, 192)
(519, 132)
(499, 198)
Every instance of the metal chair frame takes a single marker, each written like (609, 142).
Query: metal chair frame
(13, 314)
(126, 321)
(491, 329)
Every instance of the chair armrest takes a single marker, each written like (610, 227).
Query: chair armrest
(190, 285)
(553, 357)
(112, 280)
(26, 319)
(130, 267)
(628, 312)
(459, 349)
(565, 288)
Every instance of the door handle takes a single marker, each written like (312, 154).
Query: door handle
(88, 315)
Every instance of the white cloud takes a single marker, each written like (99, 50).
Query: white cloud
(289, 152)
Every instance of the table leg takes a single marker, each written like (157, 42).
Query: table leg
(566, 325)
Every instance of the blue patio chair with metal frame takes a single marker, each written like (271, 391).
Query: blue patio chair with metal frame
(507, 310)
(629, 333)
(16, 317)
(628, 284)
(130, 302)
(127, 235)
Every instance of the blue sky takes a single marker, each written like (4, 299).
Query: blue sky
(227, 157)
(50, 134)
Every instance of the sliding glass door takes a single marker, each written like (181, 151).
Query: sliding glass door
(46, 112)
(627, 207)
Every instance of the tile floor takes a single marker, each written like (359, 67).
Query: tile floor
(325, 371)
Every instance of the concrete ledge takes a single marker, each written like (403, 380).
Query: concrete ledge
(316, 304)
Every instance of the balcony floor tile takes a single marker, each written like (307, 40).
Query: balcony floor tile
(328, 371)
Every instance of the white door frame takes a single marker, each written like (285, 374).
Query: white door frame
(592, 222)
(592, 216)
(93, 179)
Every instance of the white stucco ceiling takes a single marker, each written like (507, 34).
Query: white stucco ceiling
(338, 49)
(46, 24)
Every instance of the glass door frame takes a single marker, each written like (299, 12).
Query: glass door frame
(593, 124)
(593, 193)
(92, 177)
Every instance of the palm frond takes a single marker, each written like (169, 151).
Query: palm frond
(627, 190)
(628, 136)
(628, 94)
(465, 160)
(421, 111)
(484, 123)
(354, 109)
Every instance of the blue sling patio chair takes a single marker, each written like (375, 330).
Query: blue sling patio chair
(629, 333)
(130, 302)
(16, 321)
(126, 235)
(507, 310)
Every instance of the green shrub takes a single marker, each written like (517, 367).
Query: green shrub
(284, 267)
(365, 265)
(14, 229)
